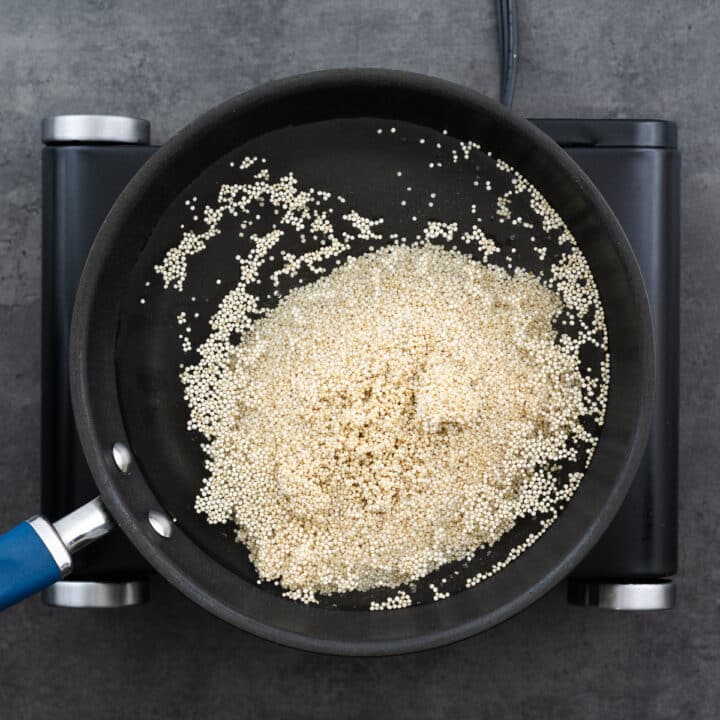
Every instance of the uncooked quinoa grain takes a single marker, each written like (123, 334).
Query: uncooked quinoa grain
(408, 406)
(389, 418)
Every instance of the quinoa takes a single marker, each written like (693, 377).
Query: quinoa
(409, 405)
(390, 417)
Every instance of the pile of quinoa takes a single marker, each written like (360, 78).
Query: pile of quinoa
(401, 411)
(386, 419)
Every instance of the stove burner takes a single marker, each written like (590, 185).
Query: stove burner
(635, 164)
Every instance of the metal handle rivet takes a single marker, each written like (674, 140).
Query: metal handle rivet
(160, 523)
(122, 457)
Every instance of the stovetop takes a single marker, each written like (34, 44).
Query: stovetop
(635, 164)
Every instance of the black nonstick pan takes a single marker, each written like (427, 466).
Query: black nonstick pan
(127, 397)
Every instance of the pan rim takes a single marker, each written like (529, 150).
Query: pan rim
(97, 454)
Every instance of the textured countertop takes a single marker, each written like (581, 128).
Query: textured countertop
(169, 61)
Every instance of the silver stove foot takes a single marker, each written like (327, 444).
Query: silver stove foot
(86, 594)
(652, 595)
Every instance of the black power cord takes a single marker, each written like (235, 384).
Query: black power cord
(507, 43)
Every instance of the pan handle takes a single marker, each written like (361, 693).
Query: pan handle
(36, 553)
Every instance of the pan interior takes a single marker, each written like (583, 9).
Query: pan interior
(371, 171)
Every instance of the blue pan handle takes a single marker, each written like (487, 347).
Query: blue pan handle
(36, 553)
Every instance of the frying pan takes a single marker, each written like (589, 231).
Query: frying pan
(127, 398)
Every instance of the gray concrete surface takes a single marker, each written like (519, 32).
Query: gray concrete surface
(171, 60)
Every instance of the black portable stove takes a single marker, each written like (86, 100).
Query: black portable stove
(88, 160)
